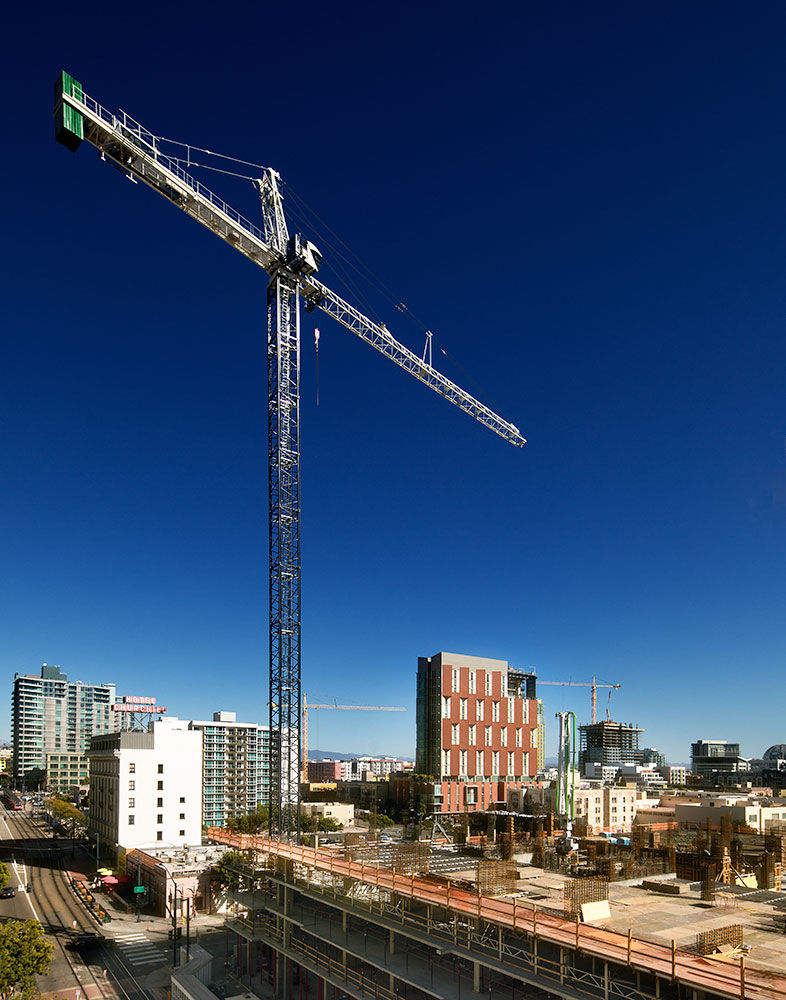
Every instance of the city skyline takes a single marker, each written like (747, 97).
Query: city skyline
(587, 210)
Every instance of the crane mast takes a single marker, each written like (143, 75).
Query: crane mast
(290, 262)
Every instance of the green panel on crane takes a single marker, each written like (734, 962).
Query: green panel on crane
(69, 123)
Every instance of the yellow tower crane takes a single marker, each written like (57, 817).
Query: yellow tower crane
(341, 708)
(594, 684)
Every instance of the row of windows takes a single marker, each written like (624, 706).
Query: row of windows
(488, 735)
(480, 709)
(480, 771)
(503, 680)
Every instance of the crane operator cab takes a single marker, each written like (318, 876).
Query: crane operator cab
(302, 256)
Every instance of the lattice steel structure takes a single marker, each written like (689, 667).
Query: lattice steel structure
(291, 262)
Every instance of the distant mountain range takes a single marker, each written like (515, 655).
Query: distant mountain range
(339, 755)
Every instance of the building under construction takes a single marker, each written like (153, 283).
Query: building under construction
(325, 924)
(608, 742)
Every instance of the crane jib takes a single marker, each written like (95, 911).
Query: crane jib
(290, 262)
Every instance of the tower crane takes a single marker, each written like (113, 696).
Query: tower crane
(586, 684)
(290, 262)
(340, 708)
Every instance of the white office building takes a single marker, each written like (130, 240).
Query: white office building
(146, 788)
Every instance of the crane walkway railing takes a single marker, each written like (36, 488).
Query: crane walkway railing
(130, 132)
(648, 956)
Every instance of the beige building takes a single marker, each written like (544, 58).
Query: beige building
(341, 812)
(604, 809)
(753, 812)
(66, 770)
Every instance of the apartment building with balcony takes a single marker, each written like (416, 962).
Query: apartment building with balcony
(235, 767)
(52, 715)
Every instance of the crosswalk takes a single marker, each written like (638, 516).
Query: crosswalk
(137, 950)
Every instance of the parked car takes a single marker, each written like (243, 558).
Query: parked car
(8, 893)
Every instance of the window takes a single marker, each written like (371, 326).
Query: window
(472, 682)
(454, 734)
(495, 711)
(160, 768)
(488, 682)
(159, 818)
(503, 736)
(533, 738)
(479, 710)
(446, 761)
(182, 798)
(182, 815)
(160, 803)
(462, 708)
(446, 707)
(511, 763)
(488, 736)
(160, 786)
(472, 735)
(495, 762)
(130, 820)
(131, 786)
(511, 709)
(132, 768)
(182, 833)
(131, 803)
(455, 685)
(518, 737)
(462, 762)
(160, 835)
(503, 685)
(479, 764)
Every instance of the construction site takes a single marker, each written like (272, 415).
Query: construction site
(419, 921)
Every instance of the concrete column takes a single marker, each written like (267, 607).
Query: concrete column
(476, 976)
(561, 965)
(281, 980)
(605, 980)
(344, 921)
(392, 943)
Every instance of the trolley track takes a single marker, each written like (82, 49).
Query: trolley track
(63, 919)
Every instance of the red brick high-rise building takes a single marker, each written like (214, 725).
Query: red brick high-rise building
(477, 729)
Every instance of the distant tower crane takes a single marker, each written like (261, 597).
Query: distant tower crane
(584, 684)
(290, 262)
(340, 708)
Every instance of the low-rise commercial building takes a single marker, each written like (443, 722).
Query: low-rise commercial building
(341, 812)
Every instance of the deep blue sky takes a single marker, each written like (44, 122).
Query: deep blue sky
(585, 203)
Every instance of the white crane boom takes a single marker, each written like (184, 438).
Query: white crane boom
(132, 148)
(291, 262)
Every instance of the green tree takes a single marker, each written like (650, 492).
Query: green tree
(67, 813)
(4, 875)
(232, 870)
(329, 825)
(24, 952)
(253, 822)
